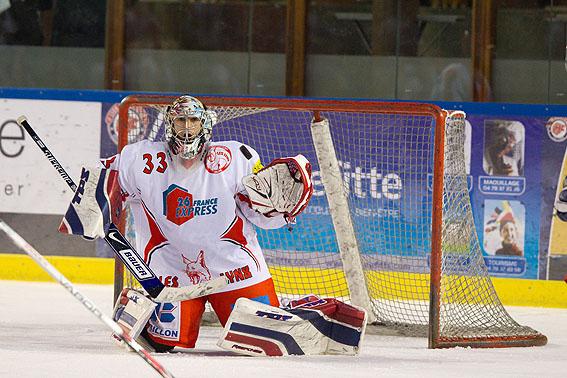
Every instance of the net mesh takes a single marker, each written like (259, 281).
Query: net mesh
(386, 159)
(470, 306)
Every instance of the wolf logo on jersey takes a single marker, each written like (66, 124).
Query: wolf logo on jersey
(197, 270)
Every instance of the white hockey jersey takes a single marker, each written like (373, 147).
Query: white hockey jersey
(191, 224)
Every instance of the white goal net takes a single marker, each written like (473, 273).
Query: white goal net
(390, 225)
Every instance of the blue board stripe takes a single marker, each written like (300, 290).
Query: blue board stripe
(472, 108)
(287, 340)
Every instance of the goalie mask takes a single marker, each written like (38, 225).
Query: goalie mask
(188, 127)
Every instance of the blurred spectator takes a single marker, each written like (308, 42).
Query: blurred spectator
(449, 3)
(453, 84)
(445, 27)
(26, 22)
(143, 29)
(79, 23)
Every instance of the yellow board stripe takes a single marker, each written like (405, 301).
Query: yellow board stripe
(88, 270)
(534, 293)
(96, 270)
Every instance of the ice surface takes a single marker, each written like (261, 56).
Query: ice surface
(45, 332)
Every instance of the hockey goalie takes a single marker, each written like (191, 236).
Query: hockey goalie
(195, 204)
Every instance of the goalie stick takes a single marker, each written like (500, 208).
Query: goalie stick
(126, 252)
(59, 277)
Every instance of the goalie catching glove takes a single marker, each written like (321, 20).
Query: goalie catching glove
(284, 186)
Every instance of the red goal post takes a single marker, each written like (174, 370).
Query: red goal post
(390, 226)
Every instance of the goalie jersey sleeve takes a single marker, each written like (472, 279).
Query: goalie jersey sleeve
(120, 162)
(194, 224)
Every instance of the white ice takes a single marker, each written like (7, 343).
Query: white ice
(45, 332)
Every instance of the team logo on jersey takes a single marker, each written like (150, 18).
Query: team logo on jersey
(218, 159)
(138, 121)
(164, 322)
(197, 270)
(238, 274)
(179, 206)
(557, 129)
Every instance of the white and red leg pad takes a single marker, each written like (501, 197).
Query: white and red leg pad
(324, 326)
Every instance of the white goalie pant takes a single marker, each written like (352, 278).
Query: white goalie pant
(323, 326)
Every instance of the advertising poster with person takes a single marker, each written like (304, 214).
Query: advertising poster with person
(503, 236)
(507, 195)
(503, 148)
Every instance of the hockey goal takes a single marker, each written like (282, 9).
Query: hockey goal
(389, 227)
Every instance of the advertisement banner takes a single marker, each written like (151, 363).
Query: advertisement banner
(507, 192)
(554, 173)
(516, 161)
(70, 129)
(513, 165)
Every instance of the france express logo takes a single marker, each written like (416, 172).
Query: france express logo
(179, 206)
(218, 159)
(164, 322)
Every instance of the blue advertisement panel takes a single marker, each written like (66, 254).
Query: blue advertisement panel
(516, 160)
(519, 164)
(507, 191)
(512, 164)
(553, 241)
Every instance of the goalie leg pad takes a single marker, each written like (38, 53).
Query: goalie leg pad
(326, 327)
(342, 323)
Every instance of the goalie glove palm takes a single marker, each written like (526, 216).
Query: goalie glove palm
(284, 186)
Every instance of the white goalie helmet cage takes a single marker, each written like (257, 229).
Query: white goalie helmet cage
(188, 143)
